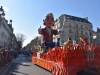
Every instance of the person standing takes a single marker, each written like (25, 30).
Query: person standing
(68, 43)
(58, 42)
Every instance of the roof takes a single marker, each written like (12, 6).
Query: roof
(76, 18)
(98, 30)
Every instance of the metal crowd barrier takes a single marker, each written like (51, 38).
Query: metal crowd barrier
(5, 57)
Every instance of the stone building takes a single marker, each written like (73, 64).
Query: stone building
(74, 28)
(98, 36)
(6, 31)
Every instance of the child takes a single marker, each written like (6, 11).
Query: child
(69, 43)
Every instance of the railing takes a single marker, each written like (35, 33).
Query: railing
(5, 57)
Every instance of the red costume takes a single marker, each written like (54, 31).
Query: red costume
(46, 36)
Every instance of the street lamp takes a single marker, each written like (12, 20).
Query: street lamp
(94, 39)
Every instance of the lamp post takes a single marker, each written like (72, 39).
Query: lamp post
(94, 40)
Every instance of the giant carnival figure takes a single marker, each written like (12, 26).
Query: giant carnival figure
(47, 32)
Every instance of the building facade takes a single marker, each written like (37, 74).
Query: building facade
(73, 27)
(6, 32)
(98, 36)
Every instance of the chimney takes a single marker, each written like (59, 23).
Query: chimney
(10, 22)
(86, 18)
(7, 21)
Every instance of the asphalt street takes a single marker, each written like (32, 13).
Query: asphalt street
(22, 65)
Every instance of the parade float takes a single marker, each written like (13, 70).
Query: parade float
(64, 60)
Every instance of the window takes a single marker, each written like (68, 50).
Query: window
(63, 39)
(67, 17)
(90, 40)
(81, 27)
(98, 41)
(86, 33)
(69, 24)
(70, 31)
(62, 30)
(58, 25)
(90, 34)
(76, 31)
(81, 32)
(76, 25)
(86, 27)
(98, 36)
(90, 26)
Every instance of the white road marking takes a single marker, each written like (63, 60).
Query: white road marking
(23, 63)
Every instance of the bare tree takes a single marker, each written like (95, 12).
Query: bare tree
(20, 39)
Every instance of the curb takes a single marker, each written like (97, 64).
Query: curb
(1, 71)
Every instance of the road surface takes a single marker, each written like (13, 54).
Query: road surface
(23, 66)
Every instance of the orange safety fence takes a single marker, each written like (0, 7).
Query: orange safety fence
(63, 70)
(97, 54)
(5, 57)
(64, 60)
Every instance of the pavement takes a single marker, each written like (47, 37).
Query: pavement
(23, 66)
(5, 66)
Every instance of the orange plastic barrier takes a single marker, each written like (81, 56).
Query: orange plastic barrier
(95, 61)
(68, 61)
(63, 70)
(45, 64)
(61, 56)
(97, 55)
(66, 57)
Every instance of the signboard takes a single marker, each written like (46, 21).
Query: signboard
(38, 54)
(90, 55)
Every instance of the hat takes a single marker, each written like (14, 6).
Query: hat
(49, 14)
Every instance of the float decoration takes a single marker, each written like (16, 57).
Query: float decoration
(63, 60)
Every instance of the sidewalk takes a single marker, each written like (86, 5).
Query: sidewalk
(5, 66)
